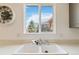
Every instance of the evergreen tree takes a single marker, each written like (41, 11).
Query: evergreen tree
(31, 27)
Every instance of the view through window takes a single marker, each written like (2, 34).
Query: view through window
(38, 18)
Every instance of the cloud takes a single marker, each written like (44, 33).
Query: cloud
(45, 17)
(34, 18)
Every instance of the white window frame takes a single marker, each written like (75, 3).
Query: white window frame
(54, 19)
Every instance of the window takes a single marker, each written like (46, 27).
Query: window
(39, 19)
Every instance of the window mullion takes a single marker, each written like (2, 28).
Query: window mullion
(39, 19)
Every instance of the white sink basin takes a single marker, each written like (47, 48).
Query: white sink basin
(27, 48)
(43, 49)
(53, 49)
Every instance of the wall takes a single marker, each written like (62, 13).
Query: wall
(15, 30)
(63, 23)
(11, 31)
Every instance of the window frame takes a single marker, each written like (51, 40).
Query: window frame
(39, 12)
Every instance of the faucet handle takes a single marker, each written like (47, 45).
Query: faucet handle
(35, 42)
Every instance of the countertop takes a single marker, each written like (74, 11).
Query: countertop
(72, 49)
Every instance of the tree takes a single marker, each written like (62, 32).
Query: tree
(31, 27)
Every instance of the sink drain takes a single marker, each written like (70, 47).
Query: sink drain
(46, 51)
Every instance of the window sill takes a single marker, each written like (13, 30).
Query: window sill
(34, 36)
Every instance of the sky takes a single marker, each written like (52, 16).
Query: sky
(33, 10)
(46, 9)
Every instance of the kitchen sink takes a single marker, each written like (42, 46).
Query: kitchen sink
(40, 49)
(52, 49)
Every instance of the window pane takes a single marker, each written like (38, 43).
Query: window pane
(31, 19)
(47, 18)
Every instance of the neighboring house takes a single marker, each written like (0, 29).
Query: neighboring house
(47, 26)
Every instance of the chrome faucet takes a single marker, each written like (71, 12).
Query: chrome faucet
(40, 42)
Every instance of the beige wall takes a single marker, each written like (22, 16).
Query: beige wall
(15, 30)
(11, 31)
